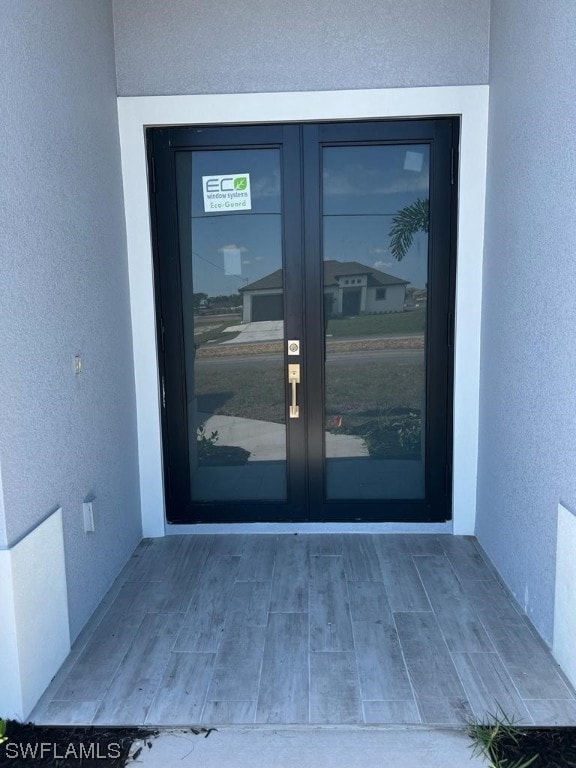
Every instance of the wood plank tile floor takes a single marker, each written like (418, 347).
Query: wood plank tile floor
(320, 629)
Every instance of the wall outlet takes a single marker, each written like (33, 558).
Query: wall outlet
(88, 512)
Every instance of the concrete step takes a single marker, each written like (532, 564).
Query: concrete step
(312, 747)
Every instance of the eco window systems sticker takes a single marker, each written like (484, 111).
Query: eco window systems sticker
(225, 193)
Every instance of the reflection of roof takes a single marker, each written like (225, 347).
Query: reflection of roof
(332, 271)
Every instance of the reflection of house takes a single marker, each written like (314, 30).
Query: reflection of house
(350, 288)
(416, 297)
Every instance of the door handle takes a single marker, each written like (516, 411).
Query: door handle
(294, 378)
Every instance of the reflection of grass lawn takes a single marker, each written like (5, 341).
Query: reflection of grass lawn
(353, 391)
(249, 391)
(378, 325)
(369, 384)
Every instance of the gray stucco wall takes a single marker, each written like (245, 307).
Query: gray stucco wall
(64, 291)
(201, 46)
(527, 460)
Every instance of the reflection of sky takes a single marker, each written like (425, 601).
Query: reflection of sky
(256, 236)
(364, 186)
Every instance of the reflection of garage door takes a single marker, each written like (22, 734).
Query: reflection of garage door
(351, 300)
(269, 307)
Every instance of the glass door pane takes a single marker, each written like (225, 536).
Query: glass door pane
(375, 202)
(232, 282)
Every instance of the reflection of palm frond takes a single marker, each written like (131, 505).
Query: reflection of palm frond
(409, 220)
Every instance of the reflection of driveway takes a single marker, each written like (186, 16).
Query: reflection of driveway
(265, 330)
(266, 440)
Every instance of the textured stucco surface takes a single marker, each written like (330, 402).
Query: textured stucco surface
(64, 291)
(199, 46)
(3, 532)
(527, 456)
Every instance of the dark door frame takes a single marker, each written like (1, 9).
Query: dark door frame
(306, 451)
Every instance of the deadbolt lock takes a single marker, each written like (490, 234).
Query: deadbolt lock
(293, 347)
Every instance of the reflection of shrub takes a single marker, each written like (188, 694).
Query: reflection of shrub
(212, 455)
(409, 431)
(390, 434)
(206, 444)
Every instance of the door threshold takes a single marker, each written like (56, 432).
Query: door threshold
(172, 529)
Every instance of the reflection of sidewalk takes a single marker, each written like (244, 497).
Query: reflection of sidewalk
(266, 440)
(265, 330)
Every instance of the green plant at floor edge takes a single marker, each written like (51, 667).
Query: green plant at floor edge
(3, 736)
(489, 737)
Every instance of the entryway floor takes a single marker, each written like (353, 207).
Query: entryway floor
(307, 629)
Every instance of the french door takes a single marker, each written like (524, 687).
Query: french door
(304, 293)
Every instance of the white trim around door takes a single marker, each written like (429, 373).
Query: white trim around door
(470, 102)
